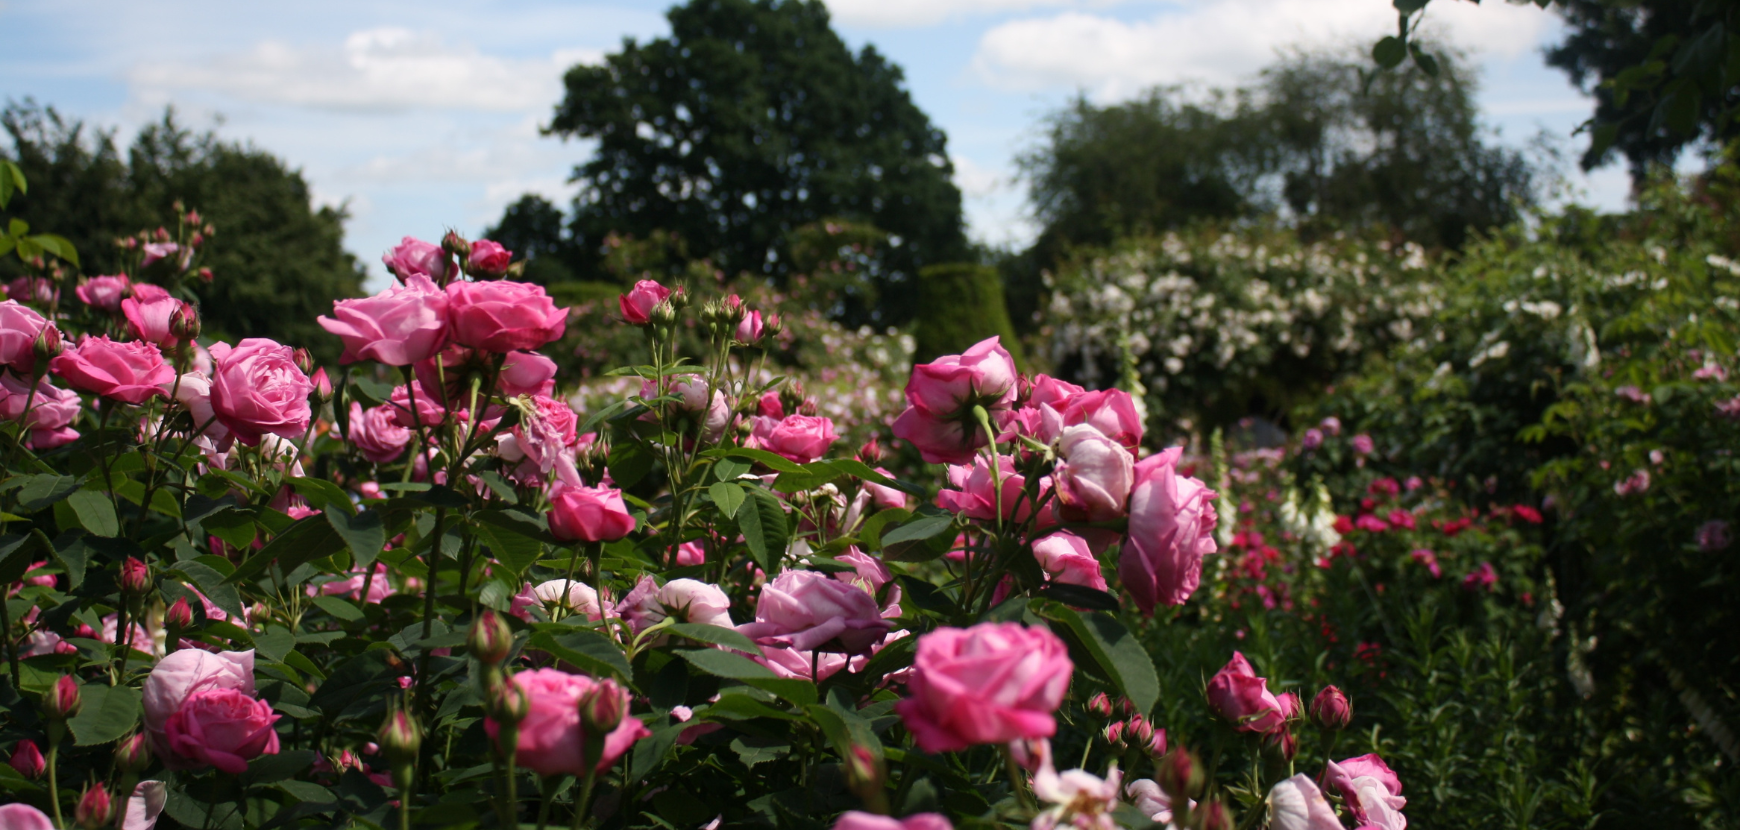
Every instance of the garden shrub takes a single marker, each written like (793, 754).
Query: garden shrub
(960, 304)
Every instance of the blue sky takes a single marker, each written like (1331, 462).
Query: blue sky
(424, 115)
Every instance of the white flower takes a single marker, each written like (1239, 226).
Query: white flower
(1080, 799)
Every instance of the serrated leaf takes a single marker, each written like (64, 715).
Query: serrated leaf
(716, 635)
(1116, 652)
(307, 540)
(95, 512)
(764, 529)
(106, 714)
(212, 584)
(344, 611)
(512, 551)
(728, 497)
(364, 533)
(589, 650)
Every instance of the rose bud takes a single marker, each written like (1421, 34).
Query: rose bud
(1331, 709)
(133, 753)
(205, 274)
(1180, 775)
(603, 710)
(664, 315)
(303, 360)
(1100, 705)
(27, 760)
(62, 700)
(1114, 733)
(871, 453)
(193, 217)
(490, 639)
(772, 325)
(680, 298)
(1284, 740)
(95, 807)
(322, 385)
(1139, 732)
(1214, 816)
(505, 701)
(47, 346)
(184, 323)
(732, 310)
(179, 615)
(456, 245)
(401, 738)
(864, 772)
(135, 577)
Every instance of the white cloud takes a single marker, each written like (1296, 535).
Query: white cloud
(387, 68)
(1216, 41)
(976, 180)
(911, 13)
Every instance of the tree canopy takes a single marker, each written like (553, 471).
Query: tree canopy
(278, 261)
(752, 120)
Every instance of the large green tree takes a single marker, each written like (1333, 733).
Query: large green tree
(751, 120)
(278, 261)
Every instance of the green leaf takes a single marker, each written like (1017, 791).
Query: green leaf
(728, 497)
(344, 611)
(590, 650)
(764, 530)
(1389, 52)
(777, 463)
(268, 769)
(1079, 596)
(40, 491)
(629, 463)
(512, 550)
(107, 713)
(16, 554)
(212, 584)
(1409, 6)
(321, 494)
(729, 469)
(725, 664)
(70, 549)
(518, 521)
(922, 538)
(372, 392)
(57, 245)
(1117, 653)
(307, 540)
(363, 533)
(1426, 62)
(716, 635)
(235, 527)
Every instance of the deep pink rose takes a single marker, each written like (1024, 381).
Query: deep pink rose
(1111, 411)
(939, 418)
(257, 389)
(1094, 475)
(974, 490)
(637, 304)
(181, 674)
(413, 406)
(1362, 444)
(376, 433)
(1068, 559)
(588, 514)
(52, 410)
(224, 728)
(19, 327)
(749, 331)
(1171, 529)
(105, 293)
(552, 740)
(1482, 578)
(36, 290)
(151, 319)
(416, 258)
(489, 259)
(798, 438)
(131, 372)
(527, 373)
(1050, 390)
(1239, 695)
(854, 820)
(989, 684)
(806, 611)
(399, 326)
(503, 316)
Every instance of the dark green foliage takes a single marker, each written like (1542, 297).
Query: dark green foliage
(533, 229)
(960, 304)
(751, 120)
(277, 261)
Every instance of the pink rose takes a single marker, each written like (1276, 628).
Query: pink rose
(1362, 444)
(1094, 475)
(222, 727)
(152, 319)
(1239, 695)
(20, 816)
(547, 435)
(376, 433)
(884, 496)
(105, 293)
(769, 405)
(1171, 529)
(166, 251)
(1369, 786)
(1067, 558)
(1111, 411)
(1297, 804)
(797, 438)
(588, 514)
(413, 407)
(576, 597)
(989, 684)
(854, 820)
(129, 372)
(35, 290)
(503, 316)
(143, 806)
(637, 304)
(552, 741)
(1482, 578)
(527, 373)
(1049, 390)
(805, 610)
(975, 491)
(939, 418)
(695, 601)
(1713, 536)
(257, 389)
(710, 413)
(399, 326)
(691, 553)
(351, 586)
(751, 328)
(19, 326)
(489, 259)
(868, 572)
(183, 673)
(416, 258)
(52, 410)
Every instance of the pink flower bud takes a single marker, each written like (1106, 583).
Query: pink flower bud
(303, 360)
(1180, 775)
(603, 709)
(401, 737)
(1100, 704)
(179, 615)
(490, 638)
(322, 385)
(1331, 709)
(62, 700)
(135, 577)
(184, 323)
(133, 753)
(95, 807)
(27, 759)
(864, 773)
(1215, 816)
(47, 346)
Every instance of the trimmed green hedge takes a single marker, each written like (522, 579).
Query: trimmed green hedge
(960, 304)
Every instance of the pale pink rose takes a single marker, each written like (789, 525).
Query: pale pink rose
(503, 316)
(138, 637)
(854, 820)
(640, 606)
(1297, 804)
(1171, 528)
(588, 514)
(884, 496)
(376, 433)
(19, 327)
(398, 327)
(806, 611)
(351, 586)
(797, 438)
(711, 413)
(695, 601)
(130, 372)
(576, 597)
(222, 727)
(143, 806)
(546, 438)
(1080, 799)
(1050, 390)
(193, 391)
(415, 258)
(169, 252)
(975, 492)
(1311, 440)
(257, 390)
(939, 418)
(691, 553)
(527, 373)
(181, 674)
(989, 684)
(750, 329)
(637, 304)
(1067, 558)
(1633, 484)
(1237, 694)
(868, 573)
(1094, 475)
(489, 259)
(21, 816)
(1369, 787)
(151, 320)
(1111, 411)
(105, 293)
(552, 740)
(52, 410)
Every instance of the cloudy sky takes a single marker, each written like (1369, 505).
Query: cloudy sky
(424, 115)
